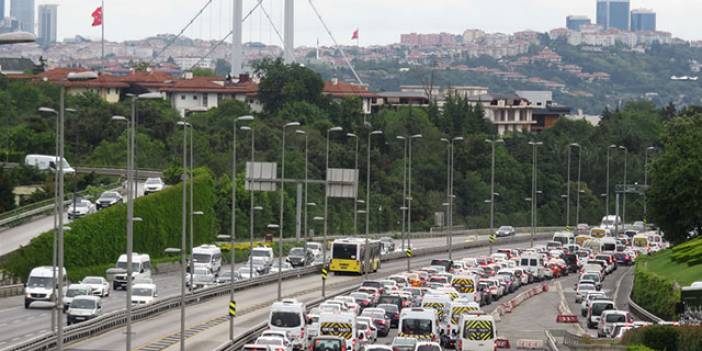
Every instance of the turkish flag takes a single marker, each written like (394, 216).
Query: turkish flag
(354, 35)
(97, 17)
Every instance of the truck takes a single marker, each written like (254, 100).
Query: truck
(341, 324)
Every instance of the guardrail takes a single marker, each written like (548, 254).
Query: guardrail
(118, 318)
(642, 312)
(11, 290)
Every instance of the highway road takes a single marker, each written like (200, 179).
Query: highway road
(207, 326)
(15, 237)
(18, 323)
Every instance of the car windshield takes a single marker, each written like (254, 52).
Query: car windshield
(282, 319)
(109, 195)
(586, 287)
(389, 308)
(327, 345)
(593, 277)
(39, 282)
(615, 318)
(83, 303)
(73, 292)
(505, 228)
(199, 257)
(415, 326)
(123, 265)
(598, 308)
(428, 348)
(297, 252)
(139, 291)
(269, 341)
(153, 181)
(260, 253)
(92, 281)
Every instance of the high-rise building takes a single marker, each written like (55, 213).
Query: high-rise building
(574, 22)
(23, 11)
(47, 24)
(613, 14)
(643, 20)
(2, 9)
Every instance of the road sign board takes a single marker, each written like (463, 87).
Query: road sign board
(631, 188)
(343, 183)
(409, 252)
(438, 219)
(261, 176)
(232, 308)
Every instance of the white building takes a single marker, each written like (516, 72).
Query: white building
(509, 113)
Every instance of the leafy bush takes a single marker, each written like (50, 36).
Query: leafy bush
(655, 293)
(638, 348)
(664, 337)
(96, 241)
(689, 252)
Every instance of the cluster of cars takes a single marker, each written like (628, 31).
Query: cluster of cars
(81, 206)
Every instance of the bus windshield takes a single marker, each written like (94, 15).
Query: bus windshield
(413, 326)
(344, 251)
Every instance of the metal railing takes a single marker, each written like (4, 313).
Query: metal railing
(642, 312)
(117, 319)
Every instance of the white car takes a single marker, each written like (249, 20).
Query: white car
(582, 289)
(427, 346)
(144, 294)
(246, 273)
(99, 286)
(73, 291)
(153, 185)
(277, 334)
(377, 347)
(589, 297)
(107, 199)
(274, 342)
(79, 208)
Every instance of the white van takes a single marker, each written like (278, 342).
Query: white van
(41, 284)
(610, 222)
(458, 309)
(419, 323)
(288, 316)
(141, 269)
(608, 245)
(564, 238)
(341, 324)
(441, 303)
(477, 333)
(264, 255)
(47, 163)
(533, 263)
(208, 256)
(144, 293)
(465, 286)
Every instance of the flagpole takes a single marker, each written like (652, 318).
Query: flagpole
(102, 25)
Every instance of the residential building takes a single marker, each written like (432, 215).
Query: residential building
(509, 113)
(2, 9)
(643, 20)
(547, 112)
(613, 14)
(23, 11)
(339, 90)
(47, 24)
(472, 35)
(574, 22)
(16, 65)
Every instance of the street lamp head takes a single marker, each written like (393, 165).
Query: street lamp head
(137, 219)
(335, 129)
(651, 148)
(416, 136)
(361, 211)
(172, 251)
(460, 138)
(67, 229)
(445, 204)
(291, 124)
(539, 192)
(496, 194)
(536, 143)
(258, 208)
(527, 199)
(158, 96)
(300, 131)
(574, 144)
(47, 110)
(351, 135)
(120, 118)
(376, 132)
(603, 195)
(404, 208)
(564, 196)
(17, 38)
(245, 128)
(311, 204)
(198, 213)
(444, 140)
(360, 201)
(318, 218)
(272, 226)
(245, 118)
(71, 110)
(224, 236)
(487, 201)
(400, 137)
(612, 146)
(183, 124)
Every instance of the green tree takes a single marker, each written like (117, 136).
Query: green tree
(675, 197)
(281, 84)
(7, 199)
(203, 72)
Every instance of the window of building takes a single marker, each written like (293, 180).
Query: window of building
(182, 97)
(204, 100)
(194, 97)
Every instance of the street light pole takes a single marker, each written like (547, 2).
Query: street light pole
(645, 211)
(610, 147)
(409, 200)
(326, 205)
(232, 238)
(403, 208)
(368, 171)
(533, 188)
(304, 226)
(626, 154)
(183, 243)
(355, 200)
(577, 196)
(568, 190)
(450, 199)
(282, 207)
(493, 143)
(251, 201)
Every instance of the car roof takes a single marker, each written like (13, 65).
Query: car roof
(88, 297)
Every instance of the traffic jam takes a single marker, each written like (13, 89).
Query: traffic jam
(440, 306)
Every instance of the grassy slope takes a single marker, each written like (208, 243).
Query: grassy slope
(662, 265)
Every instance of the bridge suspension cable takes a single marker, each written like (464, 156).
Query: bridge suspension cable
(170, 42)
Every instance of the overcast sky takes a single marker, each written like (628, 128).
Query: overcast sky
(379, 21)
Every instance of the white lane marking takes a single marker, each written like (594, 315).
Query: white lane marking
(619, 284)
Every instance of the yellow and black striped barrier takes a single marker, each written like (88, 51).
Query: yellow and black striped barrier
(232, 308)
(409, 252)
(492, 238)
(344, 330)
(325, 273)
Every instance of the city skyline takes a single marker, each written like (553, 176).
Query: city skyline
(343, 18)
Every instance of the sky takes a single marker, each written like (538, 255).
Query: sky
(378, 21)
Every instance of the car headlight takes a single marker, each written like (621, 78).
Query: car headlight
(29, 295)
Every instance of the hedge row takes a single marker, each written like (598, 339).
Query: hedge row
(96, 241)
(689, 252)
(666, 338)
(655, 293)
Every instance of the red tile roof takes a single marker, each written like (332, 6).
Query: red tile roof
(340, 89)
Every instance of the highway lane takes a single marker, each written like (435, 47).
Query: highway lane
(13, 238)
(257, 299)
(22, 323)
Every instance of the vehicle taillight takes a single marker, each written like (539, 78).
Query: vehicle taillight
(343, 346)
(382, 322)
(459, 344)
(302, 332)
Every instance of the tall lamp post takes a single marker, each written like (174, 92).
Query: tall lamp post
(577, 196)
(326, 205)
(645, 209)
(282, 207)
(409, 199)
(251, 199)
(610, 147)
(534, 145)
(368, 171)
(191, 211)
(304, 225)
(403, 208)
(183, 244)
(493, 143)
(355, 200)
(626, 154)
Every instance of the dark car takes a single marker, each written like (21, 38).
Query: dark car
(391, 299)
(504, 231)
(300, 257)
(107, 199)
(374, 284)
(388, 244)
(623, 259)
(447, 264)
(485, 296)
(571, 261)
(392, 313)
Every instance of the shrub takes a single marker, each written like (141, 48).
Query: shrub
(664, 337)
(96, 241)
(638, 348)
(655, 293)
